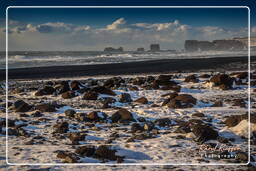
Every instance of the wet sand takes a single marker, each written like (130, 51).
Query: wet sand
(153, 66)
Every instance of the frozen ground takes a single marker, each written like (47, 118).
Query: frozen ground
(161, 145)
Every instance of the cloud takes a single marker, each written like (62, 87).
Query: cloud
(116, 24)
(66, 36)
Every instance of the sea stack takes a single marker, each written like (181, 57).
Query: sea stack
(111, 49)
(154, 47)
(140, 49)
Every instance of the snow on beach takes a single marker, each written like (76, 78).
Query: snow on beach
(159, 121)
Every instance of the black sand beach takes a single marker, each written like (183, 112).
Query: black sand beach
(153, 66)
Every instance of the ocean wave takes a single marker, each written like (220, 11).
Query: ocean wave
(48, 59)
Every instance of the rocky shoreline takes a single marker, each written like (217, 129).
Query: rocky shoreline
(131, 119)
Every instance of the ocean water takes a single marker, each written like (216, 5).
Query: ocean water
(24, 59)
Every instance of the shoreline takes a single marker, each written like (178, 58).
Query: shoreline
(131, 68)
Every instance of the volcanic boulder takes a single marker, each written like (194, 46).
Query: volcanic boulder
(204, 133)
(47, 90)
(125, 98)
(46, 107)
(191, 78)
(21, 106)
(122, 115)
(96, 116)
(68, 95)
(62, 87)
(70, 113)
(87, 150)
(142, 100)
(61, 127)
(104, 152)
(75, 85)
(222, 80)
(90, 96)
(103, 90)
(182, 101)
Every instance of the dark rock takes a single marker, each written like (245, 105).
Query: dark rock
(87, 150)
(122, 115)
(183, 129)
(138, 81)
(142, 136)
(136, 127)
(37, 114)
(61, 127)
(142, 100)
(12, 131)
(198, 114)
(191, 78)
(114, 82)
(70, 113)
(171, 95)
(104, 152)
(81, 117)
(76, 136)
(163, 122)
(68, 157)
(175, 88)
(133, 88)
(68, 95)
(47, 90)
(93, 116)
(103, 90)
(90, 96)
(75, 85)
(222, 80)
(205, 76)
(154, 105)
(24, 115)
(232, 121)
(125, 98)
(204, 133)
(46, 107)
(21, 106)
(166, 101)
(182, 101)
(11, 123)
(107, 101)
(218, 103)
(62, 87)
(164, 80)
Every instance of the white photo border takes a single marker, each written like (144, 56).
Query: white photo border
(126, 164)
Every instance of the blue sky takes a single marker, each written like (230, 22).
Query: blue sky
(228, 17)
(94, 29)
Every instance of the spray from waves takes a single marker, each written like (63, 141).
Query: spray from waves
(39, 59)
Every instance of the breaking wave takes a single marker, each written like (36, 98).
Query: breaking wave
(38, 59)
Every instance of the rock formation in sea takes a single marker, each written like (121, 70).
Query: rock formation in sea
(111, 49)
(140, 49)
(154, 47)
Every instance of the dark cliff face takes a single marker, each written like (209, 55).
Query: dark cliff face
(223, 45)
